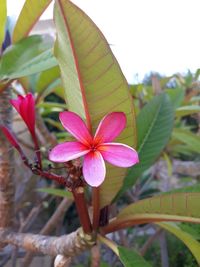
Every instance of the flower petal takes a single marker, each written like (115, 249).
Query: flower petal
(119, 154)
(76, 126)
(25, 106)
(29, 112)
(110, 127)
(94, 170)
(67, 151)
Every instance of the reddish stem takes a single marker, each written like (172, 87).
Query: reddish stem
(82, 210)
(59, 179)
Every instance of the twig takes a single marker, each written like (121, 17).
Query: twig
(21, 141)
(57, 216)
(149, 242)
(123, 239)
(164, 250)
(50, 225)
(45, 136)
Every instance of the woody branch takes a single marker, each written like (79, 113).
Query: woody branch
(67, 245)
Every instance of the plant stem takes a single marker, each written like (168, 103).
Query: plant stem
(96, 207)
(82, 210)
(58, 178)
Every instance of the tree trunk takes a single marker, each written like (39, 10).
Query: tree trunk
(6, 164)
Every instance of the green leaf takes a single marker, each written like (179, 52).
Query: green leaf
(46, 78)
(20, 52)
(30, 13)
(3, 16)
(18, 55)
(131, 258)
(49, 82)
(23, 68)
(187, 110)
(52, 105)
(187, 137)
(190, 189)
(56, 192)
(168, 207)
(191, 229)
(55, 124)
(187, 239)
(176, 96)
(93, 82)
(195, 99)
(154, 124)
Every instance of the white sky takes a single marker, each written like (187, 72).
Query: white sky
(146, 35)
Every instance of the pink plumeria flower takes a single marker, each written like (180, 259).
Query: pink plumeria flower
(25, 106)
(94, 149)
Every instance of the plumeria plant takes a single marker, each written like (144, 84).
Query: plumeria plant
(102, 156)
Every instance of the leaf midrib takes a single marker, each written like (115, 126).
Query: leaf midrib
(82, 88)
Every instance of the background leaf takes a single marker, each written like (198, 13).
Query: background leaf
(131, 258)
(26, 57)
(169, 207)
(46, 78)
(187, 137)
(49, 81)
(187, 110)
(56, 192)
(154, 125)
(29, 15)
(176, 96)
(191, 189)
(187, 239)
(93, 82)
(3, 15)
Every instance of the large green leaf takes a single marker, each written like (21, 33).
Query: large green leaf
(154, 125)
(187, 137)
(187, 239)
(93, 81)
(3, 15)
(169, 207)
(26, 58)
(39, 63)
(29, 15)
(176, 96)
(131, 258)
